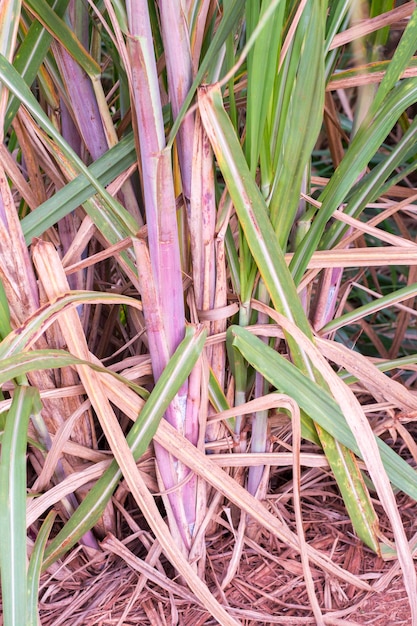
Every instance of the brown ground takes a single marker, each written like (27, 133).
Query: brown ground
(386, 608)
(254, 594)
(268, 587)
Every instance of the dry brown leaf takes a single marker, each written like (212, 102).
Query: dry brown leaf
(37, 507)
(367, 373)
(54, 281)
(362, 257)
(370, 25)
(365, 77)
(367, 445)
(112, 544)
(207, 469)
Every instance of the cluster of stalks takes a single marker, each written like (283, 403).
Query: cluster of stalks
(174, 265)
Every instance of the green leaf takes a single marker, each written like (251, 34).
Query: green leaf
(251, 209)
(13, 506)
(316, 403)
(9, 14)
(57, 27)
(364, 145)
(354, 492)
(139, 437)
(117, 216)
(301, 89)
(23, 362)
(105, 170)
(377, 181)
(253, 218)
(30, 56)
(371, 307)
(218, 400)
(34, 570)
(262, 66)
(398, 64)
(21, 339)
(5, 327)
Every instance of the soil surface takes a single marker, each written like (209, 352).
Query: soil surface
(268, 586)
(387, 608)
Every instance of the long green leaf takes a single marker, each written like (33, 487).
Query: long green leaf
(316, 403)
(117, 214)
(399, 62)
(9, 15)
(269, 258)
(301, 89)
(105, 170)
(372, 307)
(23, 362)
(354, 492)
(377, 181)
(139, 437)
(34, 569)
(5, 326)
(262, 66)
(57, 27)
(251, 208)
(30, 56)
(13, 506)
(364, 145)
(35, 325)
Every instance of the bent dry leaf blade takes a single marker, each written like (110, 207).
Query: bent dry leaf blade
(139, 437)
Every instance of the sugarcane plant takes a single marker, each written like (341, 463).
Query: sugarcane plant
(174, 247)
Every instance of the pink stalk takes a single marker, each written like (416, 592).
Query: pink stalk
(167, 301)
(84, 107)
(179, 69)
(172, 472)
(83, 103)
(197, 177)
(328, 293)
(166, 255)
(259, 438)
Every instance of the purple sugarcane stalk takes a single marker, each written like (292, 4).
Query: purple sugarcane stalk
(167, 300)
